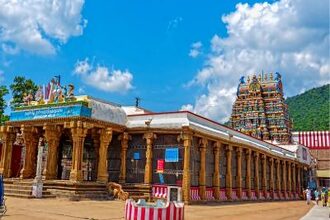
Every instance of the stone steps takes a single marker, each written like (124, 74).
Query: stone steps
(138, 191)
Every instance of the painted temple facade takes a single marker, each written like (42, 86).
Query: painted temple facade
(259, 109)
(88, 140)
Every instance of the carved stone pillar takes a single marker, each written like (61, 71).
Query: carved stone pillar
(187, 139)
(105, 139)
(271, 178)
(299, 179)
(256, 173)
(124, 138)
(149, 136)
(294, 177)
(229, 175)
(239, 172)
(8, 137)
(216, 175)
(289, 187)
(202, 171)
(31, 137)
(284, 178)
(278, 176)
(95, 133)
(264, 174)
(248, 172)
(79, 131)
(52, 134)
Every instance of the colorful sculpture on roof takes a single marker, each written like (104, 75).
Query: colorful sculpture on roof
(259, 109)
(53, 92)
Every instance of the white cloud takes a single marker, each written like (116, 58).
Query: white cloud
(39, 26)
(195, 50)
(102, 78)
(288, 36)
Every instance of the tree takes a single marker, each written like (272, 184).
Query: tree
(21, 87)
(3, 91)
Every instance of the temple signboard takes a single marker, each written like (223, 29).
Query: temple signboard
(53, 112)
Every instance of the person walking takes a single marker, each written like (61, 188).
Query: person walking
(308, 196)
(317, 194)
(323, 197)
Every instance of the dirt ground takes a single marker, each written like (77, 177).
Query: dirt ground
(49, 209)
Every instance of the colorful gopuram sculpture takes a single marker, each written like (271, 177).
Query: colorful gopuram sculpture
(259, 109)
(53, 92)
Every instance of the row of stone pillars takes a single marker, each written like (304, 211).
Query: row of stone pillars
(52, 135)
(288, 170)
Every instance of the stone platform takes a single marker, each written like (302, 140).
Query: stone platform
(58, 188)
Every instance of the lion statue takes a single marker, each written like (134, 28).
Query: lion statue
(117, 191)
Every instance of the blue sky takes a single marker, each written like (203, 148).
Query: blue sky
(147, 47)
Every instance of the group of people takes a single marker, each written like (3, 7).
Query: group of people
(319, 194)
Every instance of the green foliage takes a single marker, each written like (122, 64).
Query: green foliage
(311, 109)
(3, 91)
(21, 87)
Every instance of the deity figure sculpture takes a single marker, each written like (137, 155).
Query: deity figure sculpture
(39, 97)
(27, 99)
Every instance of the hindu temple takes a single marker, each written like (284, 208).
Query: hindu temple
(259, 109)
(87, 143)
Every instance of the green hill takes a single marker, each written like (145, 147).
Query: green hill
(311, 109)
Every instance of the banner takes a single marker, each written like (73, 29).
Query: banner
(160, 165)
(172, 154)
(136, 156)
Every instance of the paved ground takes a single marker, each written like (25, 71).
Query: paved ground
(317, 213)
(49, 209)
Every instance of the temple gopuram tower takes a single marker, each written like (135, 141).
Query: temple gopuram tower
(259, 109)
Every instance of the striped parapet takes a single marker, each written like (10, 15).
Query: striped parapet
(194, 193)
(159, 191)
(244, 194)
(261, 195)
(171, 210)
(234, 194)
(209, 194)
(223, 196)
(253, 195)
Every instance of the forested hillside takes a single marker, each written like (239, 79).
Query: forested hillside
(310, 110)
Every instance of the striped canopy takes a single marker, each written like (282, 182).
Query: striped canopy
(315, 139)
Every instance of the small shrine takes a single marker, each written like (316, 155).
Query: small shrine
(259, 109)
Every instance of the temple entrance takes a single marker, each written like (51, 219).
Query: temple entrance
(114, 159)
(89, 165)
(64, 159)
(136, 159)
(16, 161)
(169, 152)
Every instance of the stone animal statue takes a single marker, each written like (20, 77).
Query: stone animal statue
(117, 190)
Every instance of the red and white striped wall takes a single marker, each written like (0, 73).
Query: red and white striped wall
(313, 139)
(194, 193)
(173, 211)
(209, 194)
(159, 191)
(223, 196)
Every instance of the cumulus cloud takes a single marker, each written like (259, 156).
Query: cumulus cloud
(39, 26)
(288, 36)
(195, 49)
(102, 78)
